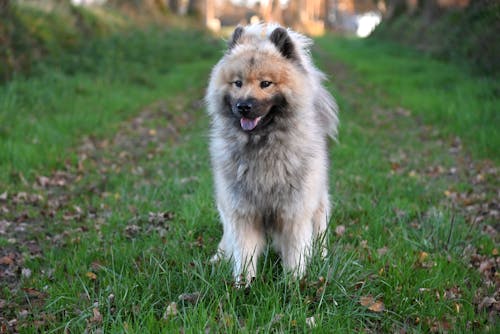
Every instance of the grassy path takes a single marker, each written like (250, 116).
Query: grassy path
(119, 237)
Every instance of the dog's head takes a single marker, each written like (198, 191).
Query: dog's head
(258, 76)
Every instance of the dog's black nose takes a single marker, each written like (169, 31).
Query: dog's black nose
(244, 107)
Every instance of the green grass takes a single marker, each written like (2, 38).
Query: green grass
(438, 93)
(403, 244)
(90, 91)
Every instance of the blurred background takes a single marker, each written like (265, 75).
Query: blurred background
(30, 29)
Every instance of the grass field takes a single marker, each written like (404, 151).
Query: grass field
(108, 219)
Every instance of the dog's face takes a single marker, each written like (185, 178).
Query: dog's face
(257, 79)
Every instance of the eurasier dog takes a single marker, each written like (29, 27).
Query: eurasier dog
(271, 117)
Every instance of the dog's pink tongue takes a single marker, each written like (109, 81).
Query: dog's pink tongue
(249, 124)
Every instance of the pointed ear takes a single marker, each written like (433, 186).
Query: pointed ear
(235, 37)
(283, 42)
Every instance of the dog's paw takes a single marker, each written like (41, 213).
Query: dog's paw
(242, 282)
(218, 257)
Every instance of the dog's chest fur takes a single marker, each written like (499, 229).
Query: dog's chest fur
(264, 171)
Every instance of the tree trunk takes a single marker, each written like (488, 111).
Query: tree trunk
(194, 7)
(430, 9)
(174, 6)
(395, 8)
(4, 7)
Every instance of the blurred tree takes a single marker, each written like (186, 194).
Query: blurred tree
(174, 6)
(429, 9)
(4, 7)
(195, 7)
(395, 8)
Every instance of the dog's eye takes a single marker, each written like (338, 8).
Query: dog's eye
(265, 84)
(238, 83)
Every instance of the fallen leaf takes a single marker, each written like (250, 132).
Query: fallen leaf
(33, 293)
(23, 314)
(487, 302)
(453, 293)
(372, 304)
(97, 316)
(340, 230)
(132, 230)
(171, 310)
(160, 217)
(422, 256)
(6, 260)
(382, 251)
(191, 298)
(91, 275)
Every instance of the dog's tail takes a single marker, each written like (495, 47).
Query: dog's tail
(327, 111)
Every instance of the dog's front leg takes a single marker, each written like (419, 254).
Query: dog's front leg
(296, 245)
(249, 241)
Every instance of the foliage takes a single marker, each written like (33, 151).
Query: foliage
(29, 32)
(467, 36)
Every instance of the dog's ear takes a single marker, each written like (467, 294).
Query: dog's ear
(283, 42)
(235, 37)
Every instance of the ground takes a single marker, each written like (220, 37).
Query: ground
(118, 235)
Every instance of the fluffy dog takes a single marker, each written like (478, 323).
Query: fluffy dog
(270, 122)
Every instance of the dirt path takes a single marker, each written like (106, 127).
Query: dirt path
(57, 208)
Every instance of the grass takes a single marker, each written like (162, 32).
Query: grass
(90, 91)
(133, 225)
(435, 92)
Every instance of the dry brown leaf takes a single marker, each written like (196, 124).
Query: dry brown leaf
(382, 251)
(6, 260)
(372, 304)
(190, 297)
(33, 293)
(422, 256)
(91, 275)
(97, 316)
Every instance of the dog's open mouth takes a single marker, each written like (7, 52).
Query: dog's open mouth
(248, 124)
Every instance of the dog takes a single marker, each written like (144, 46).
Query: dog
(270, 121)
